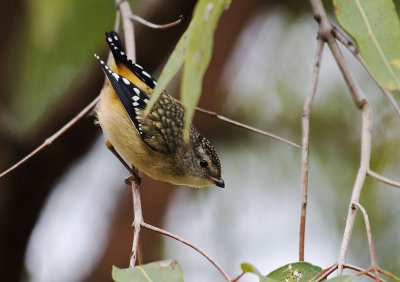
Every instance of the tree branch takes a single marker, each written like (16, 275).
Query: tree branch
(166, 233)
(360, 270)
(305, 144)
(370, 242)
(383, 179)
(129, 30)
(155, 26)
(138, 220)
(53, 137)
(326, 33)
(245, 126)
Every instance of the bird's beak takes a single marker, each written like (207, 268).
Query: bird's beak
(218, 181)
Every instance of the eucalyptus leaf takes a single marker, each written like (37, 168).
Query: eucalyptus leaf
(173, 65)
(297, 271)
(166, 271)
(248, 267)
(375, 27)
(193, 51)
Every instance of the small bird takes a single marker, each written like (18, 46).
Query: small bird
(153, 144)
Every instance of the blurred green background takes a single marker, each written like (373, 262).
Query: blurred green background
(65, 215)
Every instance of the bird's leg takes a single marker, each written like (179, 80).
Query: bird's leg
(133, 170)
(135, 181)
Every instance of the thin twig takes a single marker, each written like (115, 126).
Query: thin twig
(305, 144)
(156, 26)
(129, 35)
(383, 179)
(129, 30)
(53, 137)
(88, 108)
(353, 49)
(116, 28)
(173, 236)
(388, 274)
(325, 273)
(66, 127)
(238, 277)
(361, 175)
(360, 270)
(370, 242)
(245, 126)
(325, 31)
(137, 209)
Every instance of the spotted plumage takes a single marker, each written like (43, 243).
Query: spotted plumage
(153, 144)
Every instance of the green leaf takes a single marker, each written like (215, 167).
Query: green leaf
(247, 267)
(267, 279)
(166, 270)
(193, 51)
(174, 63)
(297, 271)
(375, 27)
(205, 18)
(342, 278)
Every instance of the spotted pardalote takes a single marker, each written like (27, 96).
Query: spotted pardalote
(153, 144)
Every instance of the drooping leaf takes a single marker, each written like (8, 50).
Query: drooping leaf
(297, 271)
(342, 278)
(173, 65)
(205, 18)
(194, 51)
(248, 267)
(166, 270)
(375, 27)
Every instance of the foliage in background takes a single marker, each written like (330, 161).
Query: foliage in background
(54, 54)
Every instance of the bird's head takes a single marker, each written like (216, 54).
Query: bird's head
(201, 163)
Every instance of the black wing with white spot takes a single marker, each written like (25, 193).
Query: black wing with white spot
(118, 51)
(132, 98)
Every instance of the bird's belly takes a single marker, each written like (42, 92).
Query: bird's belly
(120, 131)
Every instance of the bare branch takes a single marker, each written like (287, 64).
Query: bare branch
(360, 270)
(370, 242)
(326, 272)
(326, 33)
(138, 220)
(156, 26)
(353, 49)
(383, 179)
(129, 35)
(53, 137)
(305, 144)
(388, 274)
(173, 236)
(245, 126)
(129, 30)
(361, 175)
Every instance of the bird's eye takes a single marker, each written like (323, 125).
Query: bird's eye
(203, 163)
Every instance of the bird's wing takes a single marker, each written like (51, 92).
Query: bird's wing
(125, 66)
(134, 101)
